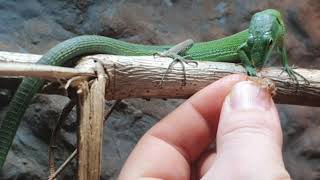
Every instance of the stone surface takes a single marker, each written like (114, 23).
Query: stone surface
(37, 25)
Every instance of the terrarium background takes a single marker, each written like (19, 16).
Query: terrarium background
(34, 26)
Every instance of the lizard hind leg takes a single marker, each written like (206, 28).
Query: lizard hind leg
(176, 52)
(177, 59)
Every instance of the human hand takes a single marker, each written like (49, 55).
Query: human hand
(244, 123)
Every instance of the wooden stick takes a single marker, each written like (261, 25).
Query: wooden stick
(63, 165)
(75, 152)
(52, 145)
(52, 73)
(91, 113)
(140, 76)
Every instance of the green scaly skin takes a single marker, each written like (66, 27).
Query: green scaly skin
(248, 47)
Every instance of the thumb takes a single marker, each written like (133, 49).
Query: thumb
(249, 137)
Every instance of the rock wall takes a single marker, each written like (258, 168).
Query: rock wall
(34, 26)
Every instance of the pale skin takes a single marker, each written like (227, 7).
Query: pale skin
(236, 114)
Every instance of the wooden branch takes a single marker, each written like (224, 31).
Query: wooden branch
(18, 57)
(139, 77)
(75, 152)
(91, 114)
(47, 72)
(52, 145)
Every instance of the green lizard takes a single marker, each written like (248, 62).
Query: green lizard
(251, 47)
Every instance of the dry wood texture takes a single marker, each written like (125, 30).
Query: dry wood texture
(91, 114)
(130, 77)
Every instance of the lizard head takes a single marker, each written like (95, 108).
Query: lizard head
(266, 28)
(260, 49)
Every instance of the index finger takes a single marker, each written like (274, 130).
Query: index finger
(167, 149)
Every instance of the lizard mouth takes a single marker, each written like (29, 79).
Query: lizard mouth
(257, 60)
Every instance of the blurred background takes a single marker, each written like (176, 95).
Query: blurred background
(34, 26)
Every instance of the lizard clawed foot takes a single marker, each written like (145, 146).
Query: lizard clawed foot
(176, 53)
(294, 75)
(176, 59)
(251, 71)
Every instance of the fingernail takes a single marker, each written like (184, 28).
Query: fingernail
(247, 95)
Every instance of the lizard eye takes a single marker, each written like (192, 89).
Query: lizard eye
(250, 41)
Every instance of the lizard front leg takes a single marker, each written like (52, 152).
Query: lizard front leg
(284, 60)
(245, 60)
